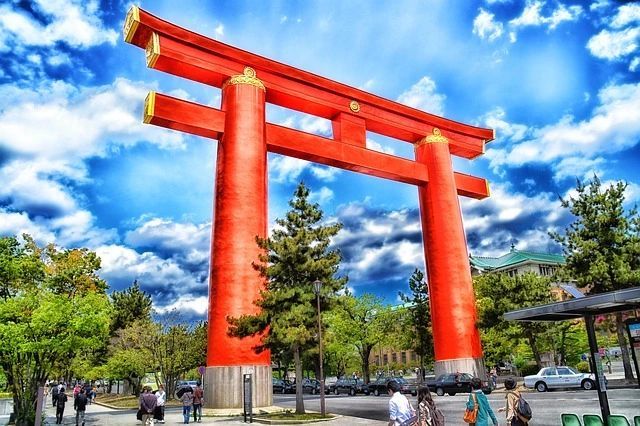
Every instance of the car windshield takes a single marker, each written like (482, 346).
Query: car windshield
(400, 380)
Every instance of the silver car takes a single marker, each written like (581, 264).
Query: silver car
(559, 377)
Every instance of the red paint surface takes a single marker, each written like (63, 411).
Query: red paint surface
(240, 214)
(453, 310)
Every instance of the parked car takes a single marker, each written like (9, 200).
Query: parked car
(312, 386)
(350, 386)
(559, 377)
(181, 383)
(283, 386)
(379, 387)
(453, 383)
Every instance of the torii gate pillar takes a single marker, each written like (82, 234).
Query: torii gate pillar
(240, 214)
(453, 315)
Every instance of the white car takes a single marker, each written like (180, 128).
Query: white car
(559, 377)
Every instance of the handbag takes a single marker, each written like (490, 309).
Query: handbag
(139, 414)
(470, 415)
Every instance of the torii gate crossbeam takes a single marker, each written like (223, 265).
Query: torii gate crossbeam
(248, 82)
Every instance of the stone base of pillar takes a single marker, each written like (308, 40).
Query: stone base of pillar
(223, 386)
(473, 366)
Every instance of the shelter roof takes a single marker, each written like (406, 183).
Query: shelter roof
(514, 257)
(597, 304)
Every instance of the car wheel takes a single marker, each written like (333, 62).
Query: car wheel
(588, 384)
(283, 391)
(335, 392)
(352, 392)
(376, 392)
(439, 391)
(452, 393)
(313, 391)
(541, 387)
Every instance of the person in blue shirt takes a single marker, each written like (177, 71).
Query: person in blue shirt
(484, 409)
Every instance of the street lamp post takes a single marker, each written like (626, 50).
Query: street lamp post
(317, 285)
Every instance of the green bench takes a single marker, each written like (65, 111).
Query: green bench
(569, 419)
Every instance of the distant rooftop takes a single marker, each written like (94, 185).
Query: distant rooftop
(514, 257)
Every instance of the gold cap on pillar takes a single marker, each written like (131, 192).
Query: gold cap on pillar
(131, 23)
(149, 107)
(436, 137)
(248, 76)
(152, 52)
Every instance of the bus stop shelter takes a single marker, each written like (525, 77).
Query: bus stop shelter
(587, 307)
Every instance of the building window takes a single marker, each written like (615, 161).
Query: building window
(385, 359)
(377, 360)
(546, 270)
(414, 356)
(394, 357)
(512, 273)
(403, 357)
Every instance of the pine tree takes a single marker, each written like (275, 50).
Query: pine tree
(296, 255)
(419, 319)
(602, 246)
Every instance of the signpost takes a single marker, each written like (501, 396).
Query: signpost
(247, 403)
(633, 329)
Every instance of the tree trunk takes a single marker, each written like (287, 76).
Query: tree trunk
(298, 363)
(622, 341)
(364, 355)
(534, 348)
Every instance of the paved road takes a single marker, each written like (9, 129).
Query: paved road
(546, 407)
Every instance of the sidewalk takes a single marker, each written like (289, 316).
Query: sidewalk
(100, 415)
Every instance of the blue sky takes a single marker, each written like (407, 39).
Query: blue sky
(557, 80)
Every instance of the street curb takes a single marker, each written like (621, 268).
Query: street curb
(294, 422)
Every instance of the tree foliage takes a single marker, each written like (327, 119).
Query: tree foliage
(497, 293)
(602, 245)
(296, 255)
(416, 325)
(129, 305)
(363, 322)
(52, 308)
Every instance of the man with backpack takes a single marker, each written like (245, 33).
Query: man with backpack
(517, 410)
(80, 405)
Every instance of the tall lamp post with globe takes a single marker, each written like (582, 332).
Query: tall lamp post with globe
(317, 286)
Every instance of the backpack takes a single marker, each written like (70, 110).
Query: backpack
(523, 410)
(437, 418)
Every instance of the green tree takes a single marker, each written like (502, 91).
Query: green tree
(497, 293)
(602, 245)
(363, 322)
(43, 324)
(416, 332)
(177, 348)
(296, 255)
(129, 305)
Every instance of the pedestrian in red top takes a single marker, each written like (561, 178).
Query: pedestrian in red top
(198, 400)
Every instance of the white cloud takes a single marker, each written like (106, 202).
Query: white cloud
(376, 146)
(599, 4)
(578, 167)
(564, 14)
(496, 119)
(219, 31)
(627, 14)
(18, 223)
(530, 16)
(57, 121)
(633, 65)
(288, 169)
(614, 44)
(423, 96)
(198, 305)
(124, 265)
(614, 126)
(322, 196)
(484, 26)
(72, 22)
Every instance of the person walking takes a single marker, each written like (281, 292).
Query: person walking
(476, 397)
(161, 399)
(80, 405)
(148, 403)
(61, 400)
(198, 400)
(511, 397)
(399, 408)
(54, 394)
(428, 414)
(187, 403)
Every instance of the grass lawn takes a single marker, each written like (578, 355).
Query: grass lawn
(128, 401)
(287, 415)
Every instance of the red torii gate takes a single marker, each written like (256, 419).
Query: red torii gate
(248, 81)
